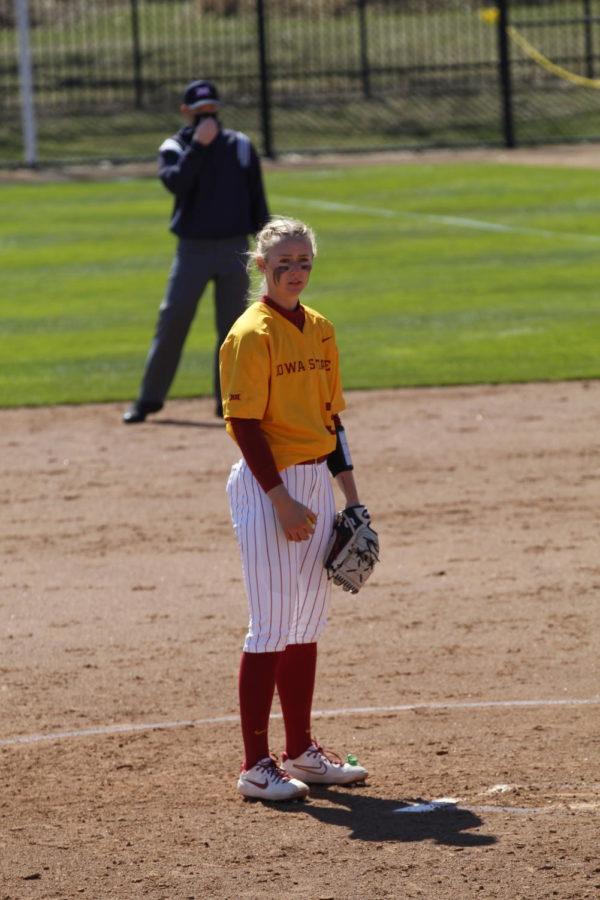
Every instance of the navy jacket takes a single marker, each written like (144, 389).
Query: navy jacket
(218, 188)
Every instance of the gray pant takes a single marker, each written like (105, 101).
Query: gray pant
(196, 263)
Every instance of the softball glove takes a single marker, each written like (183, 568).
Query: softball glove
(353, 549)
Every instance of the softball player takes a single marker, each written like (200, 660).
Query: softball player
(281, 399)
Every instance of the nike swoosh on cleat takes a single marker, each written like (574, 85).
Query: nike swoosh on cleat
(257, 783)
(321, 769)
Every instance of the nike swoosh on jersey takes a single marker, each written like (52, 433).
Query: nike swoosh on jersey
(326, 339)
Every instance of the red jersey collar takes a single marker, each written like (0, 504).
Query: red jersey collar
(295, 316)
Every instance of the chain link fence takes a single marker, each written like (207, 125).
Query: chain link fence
(554, 70)
(299, 76)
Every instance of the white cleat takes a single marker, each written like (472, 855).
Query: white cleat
(266, 781)
(315, 766)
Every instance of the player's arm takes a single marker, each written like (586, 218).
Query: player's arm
(245, 368)
(256, 451)
(339, 463)
(339, 460)
(296, 519)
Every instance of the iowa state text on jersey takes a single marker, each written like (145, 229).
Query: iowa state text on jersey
(299, 365)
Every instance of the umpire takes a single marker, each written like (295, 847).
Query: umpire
(215, 175)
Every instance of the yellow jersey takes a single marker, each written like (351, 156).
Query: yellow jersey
(287, 378)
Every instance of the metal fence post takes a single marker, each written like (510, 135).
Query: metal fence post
(265, 93)
(26, 81)
(504, 73)
(364, 49)
(589, 48)
(138, 84)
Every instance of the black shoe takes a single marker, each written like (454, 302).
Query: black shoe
(138, 411)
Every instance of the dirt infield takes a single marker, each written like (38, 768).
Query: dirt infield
(467, 670)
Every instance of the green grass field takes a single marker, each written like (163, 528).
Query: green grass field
(433, 275)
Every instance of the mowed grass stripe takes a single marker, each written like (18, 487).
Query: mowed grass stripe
(450, 221)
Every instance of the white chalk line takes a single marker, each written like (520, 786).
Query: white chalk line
(450, 221)
(447, 804)
(132, 728)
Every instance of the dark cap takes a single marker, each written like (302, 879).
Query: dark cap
(199, 93)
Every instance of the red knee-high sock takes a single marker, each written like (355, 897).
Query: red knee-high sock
(256, 688)
(295, 685)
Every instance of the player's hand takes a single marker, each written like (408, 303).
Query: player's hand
(296, 519)
(206, 131)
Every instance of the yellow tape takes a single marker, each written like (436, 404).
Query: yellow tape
(491, 15)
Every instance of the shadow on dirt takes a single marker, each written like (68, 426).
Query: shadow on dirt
(187, 423)
(372, 819)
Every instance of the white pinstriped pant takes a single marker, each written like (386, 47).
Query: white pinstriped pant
(286, 584)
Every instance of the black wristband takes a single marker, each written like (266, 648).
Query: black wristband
(339, 460)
